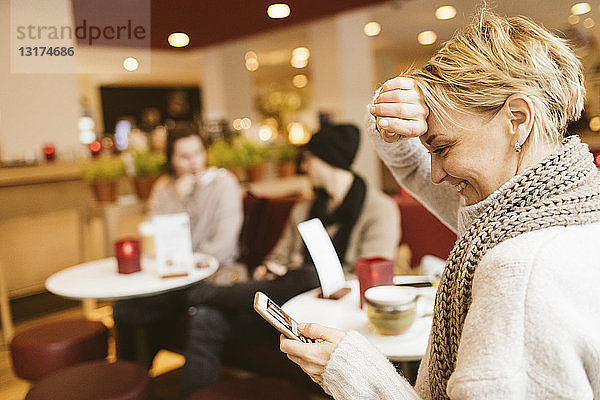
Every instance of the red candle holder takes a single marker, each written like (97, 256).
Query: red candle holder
(373, 271)
(128, 254)
(49, 152)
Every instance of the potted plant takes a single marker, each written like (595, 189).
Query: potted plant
(286, 155)
(250, 155)
(103, 174)
(221, 155)
(148, 167)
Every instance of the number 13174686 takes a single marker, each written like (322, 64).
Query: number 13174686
(46, 51)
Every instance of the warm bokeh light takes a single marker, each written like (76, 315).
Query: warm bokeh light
(300, 81)
(95, 147)
(301, 53)
(580, 8)
(246, 123)
(299, 62)
(573, 19)
(127, 249)
(595, 123)
(265, 133)
(427, 37)
(86, 136)
(178, 39)
(130, 64)
(372, 29)
(445, 12)
(249, 55)
(237, 124)
(588, 23)
(279, 10)
(298, 135)
(252, 64)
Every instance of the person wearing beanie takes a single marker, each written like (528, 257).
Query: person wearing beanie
(361, 220)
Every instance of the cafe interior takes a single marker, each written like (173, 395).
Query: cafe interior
(82, 141)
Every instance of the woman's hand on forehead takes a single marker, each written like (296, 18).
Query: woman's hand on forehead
(400, 110)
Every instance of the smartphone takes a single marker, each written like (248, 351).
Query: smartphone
(278, 318)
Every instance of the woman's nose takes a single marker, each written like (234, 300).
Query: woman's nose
(437, 171)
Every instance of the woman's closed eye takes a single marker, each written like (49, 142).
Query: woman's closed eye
(440, 151)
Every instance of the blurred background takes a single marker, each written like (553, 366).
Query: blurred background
(256, 77)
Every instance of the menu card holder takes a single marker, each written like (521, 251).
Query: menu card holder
(338, 294)
(173, 245)
(327, 263)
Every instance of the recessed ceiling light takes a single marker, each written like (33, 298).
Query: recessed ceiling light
(573, 19)
(178, 39)
(372, 29)
(581, 8)
(427, 37)
(130, 64)
(445, 12)
(299, 62)
(252, 64)
(300, 81)
(588, 23)
(595, 123)
(301, 53)
(279, 10)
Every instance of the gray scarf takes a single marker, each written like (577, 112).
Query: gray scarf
(563, 189)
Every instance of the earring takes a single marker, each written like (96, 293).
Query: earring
(517, 146)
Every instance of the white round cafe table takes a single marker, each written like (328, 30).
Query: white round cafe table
(346, 314)
(100, 280)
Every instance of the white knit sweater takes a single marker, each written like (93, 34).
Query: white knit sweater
(533, 328)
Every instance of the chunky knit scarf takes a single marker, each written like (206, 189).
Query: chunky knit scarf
(564, 189)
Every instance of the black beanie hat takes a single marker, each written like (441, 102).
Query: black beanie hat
(335, 144)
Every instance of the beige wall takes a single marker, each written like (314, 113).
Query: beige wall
(34, 108)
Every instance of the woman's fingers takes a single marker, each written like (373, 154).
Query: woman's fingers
(398, 110)
(316, 331)
(398, 96)
(399, 82)
(395, 126)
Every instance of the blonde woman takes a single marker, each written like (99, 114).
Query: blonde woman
(517, 312)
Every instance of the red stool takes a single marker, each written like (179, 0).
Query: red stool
(49, 347)
(94, 380)
(258, 388)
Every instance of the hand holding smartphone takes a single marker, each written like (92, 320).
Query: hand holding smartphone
(278, 318)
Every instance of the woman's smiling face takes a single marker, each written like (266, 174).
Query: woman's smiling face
(476, 158)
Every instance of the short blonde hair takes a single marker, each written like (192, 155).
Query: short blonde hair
(494, 57)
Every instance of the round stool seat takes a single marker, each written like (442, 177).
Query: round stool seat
(49, 347)
(256, 388)
(94, 380)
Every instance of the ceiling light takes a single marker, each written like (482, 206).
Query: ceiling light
(250, 54)
(298, 135)
(580, 8)
(299, 62)
(573, 19)
(427, 37)
(588, 23)
(445, 12)
(278, 10)
(130, 64)
(595, 123)
(178, 39)
(301, 53)
(372, 29)
(300, 81)
(252, 64)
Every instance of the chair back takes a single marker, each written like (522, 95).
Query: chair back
(264, 221)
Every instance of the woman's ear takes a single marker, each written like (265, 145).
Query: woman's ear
(520, 113)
